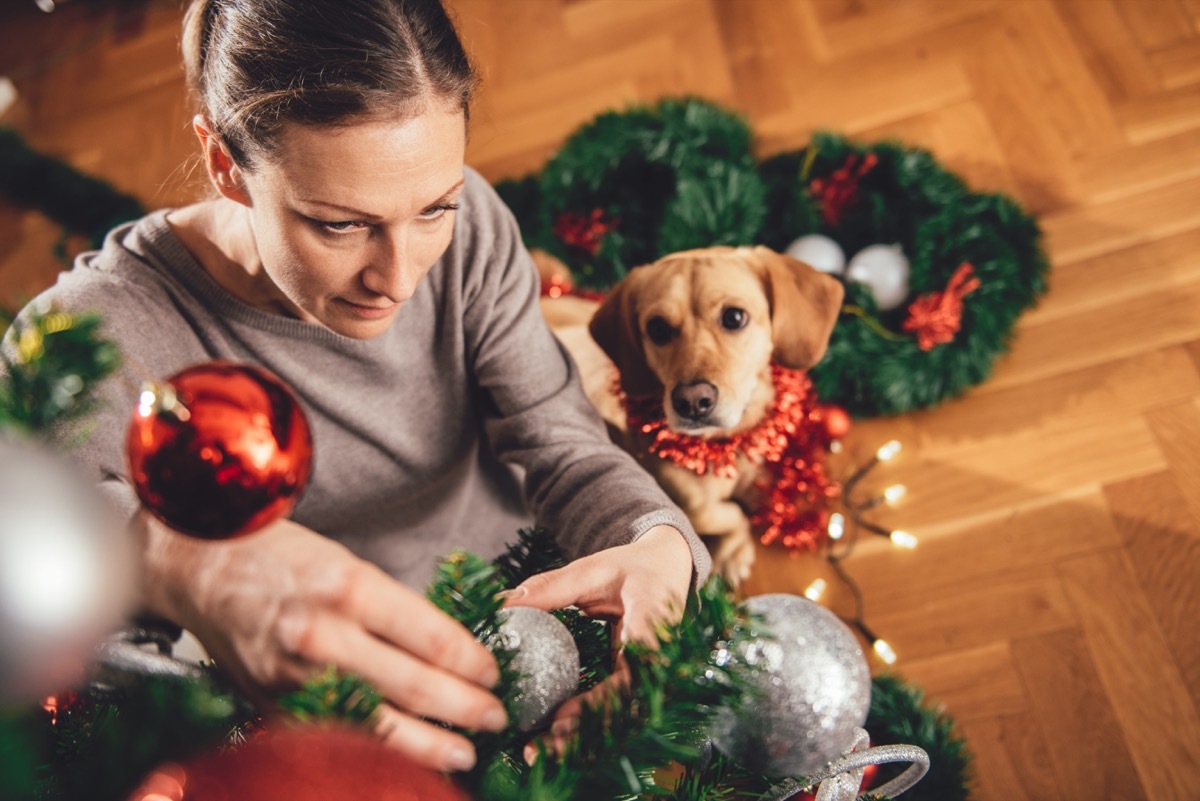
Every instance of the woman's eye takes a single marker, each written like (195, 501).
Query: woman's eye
(734, 318)
(436, 212)
(659, 331)
(340, 227)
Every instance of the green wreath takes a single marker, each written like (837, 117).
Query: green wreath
(630, 187)
(639, 184)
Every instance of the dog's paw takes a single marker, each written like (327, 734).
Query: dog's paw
(733, 559)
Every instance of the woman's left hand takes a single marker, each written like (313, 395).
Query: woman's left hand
(637, 586)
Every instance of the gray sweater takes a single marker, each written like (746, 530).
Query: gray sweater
(462, 423)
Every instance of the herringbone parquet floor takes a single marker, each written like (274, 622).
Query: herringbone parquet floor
(1052, 604)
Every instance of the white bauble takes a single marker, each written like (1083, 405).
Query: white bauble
(884, 269)
(65, 572)
(819, 252)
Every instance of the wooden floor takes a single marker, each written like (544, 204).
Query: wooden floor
(1052, 604)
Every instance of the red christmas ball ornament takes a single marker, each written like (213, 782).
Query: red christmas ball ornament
(219, 450)
(315, 763)
(835, 419)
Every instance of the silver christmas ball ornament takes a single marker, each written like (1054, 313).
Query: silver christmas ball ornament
(545, 657)
(883, 268)
(809, 690)
(819, 252)
(65, 572)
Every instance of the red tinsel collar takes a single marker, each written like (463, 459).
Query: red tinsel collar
(791, 443)
(761, 444)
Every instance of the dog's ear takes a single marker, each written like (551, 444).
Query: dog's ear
(614, 326)
(805, 304)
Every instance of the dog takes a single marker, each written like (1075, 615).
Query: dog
(699, 330)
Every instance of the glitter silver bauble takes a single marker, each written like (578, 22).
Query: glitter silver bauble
(547, 659)
(810, 691)
(65, 572)
(819, 252)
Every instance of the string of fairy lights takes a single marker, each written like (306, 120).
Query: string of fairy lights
(844, 530)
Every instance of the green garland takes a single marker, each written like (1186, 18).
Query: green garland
(630, 187)
(78, 202)
(617, 753)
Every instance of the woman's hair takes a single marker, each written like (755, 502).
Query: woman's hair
(254, 65)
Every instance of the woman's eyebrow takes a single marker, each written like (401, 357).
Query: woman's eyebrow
(359, 214)
(448, 193)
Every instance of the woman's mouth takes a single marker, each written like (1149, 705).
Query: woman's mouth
(369, 311)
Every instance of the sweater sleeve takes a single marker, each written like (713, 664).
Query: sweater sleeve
(136, 317)
(585, 489)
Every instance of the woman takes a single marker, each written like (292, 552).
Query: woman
(351, 253)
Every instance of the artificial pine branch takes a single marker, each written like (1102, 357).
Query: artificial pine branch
(332, 695)
(662, 717)
(49, 369)
(469, 589)
(900, 714)
(99, 745)
(535, 552)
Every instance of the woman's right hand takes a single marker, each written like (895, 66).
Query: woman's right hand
(276, 607)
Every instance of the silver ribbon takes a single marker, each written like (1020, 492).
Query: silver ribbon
(840, 779)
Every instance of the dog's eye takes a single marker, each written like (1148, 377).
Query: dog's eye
(734, 318)
(659, 331)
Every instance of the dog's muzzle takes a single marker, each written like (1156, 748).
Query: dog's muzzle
(694, 402)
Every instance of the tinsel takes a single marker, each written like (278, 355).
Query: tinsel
(790, 444)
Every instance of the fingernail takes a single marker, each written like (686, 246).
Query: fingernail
(513, 594)
(490, 676)
(495, 720)
(460, 758)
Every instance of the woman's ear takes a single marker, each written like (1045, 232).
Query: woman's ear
(225, 175)
(615, 329)
(805, 305)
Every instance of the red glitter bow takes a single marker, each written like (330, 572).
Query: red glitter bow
(935, 318)
(840, 190)
(586, 233)
(790, 443)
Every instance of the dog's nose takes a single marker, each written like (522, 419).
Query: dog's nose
(694, 401)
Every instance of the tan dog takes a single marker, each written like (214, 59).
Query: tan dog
(701, 329)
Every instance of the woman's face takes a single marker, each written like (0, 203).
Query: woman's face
(348, 220)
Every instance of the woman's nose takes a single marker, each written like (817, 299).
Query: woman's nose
(392, 272)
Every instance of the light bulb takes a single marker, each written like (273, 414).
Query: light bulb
(815, 590)
(888, 450)
(903, 539)
(884, 651)
(895, 493)
(837, 526)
